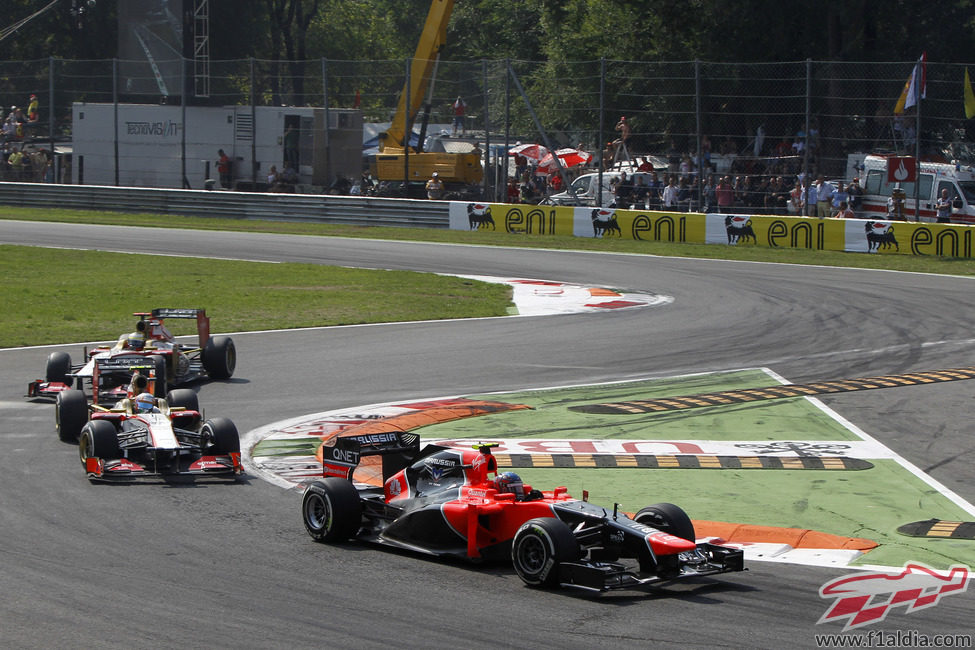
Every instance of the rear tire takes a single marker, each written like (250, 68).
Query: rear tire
(220, 357)
(70, 414)
(58, 368)
(669, 518)
(539, 547)
(219, 436)
(331, 510)
(183, 397)
(99, 440)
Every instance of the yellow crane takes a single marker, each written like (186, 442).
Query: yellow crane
(397, 160)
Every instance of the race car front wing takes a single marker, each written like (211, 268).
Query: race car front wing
(705, 559)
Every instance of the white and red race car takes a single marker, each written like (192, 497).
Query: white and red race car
(176, 364)
(142, 435)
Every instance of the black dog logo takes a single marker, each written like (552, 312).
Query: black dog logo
(479, 214)
(605, 225)
(880, 235)
(739, 229)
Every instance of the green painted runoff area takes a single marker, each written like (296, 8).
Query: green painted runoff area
(869, 503)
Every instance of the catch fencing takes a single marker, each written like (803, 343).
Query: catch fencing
(752, 119)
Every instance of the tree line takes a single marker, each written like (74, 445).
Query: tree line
(536, 30)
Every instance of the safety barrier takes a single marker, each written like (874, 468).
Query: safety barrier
(852, 235)
(317, 208)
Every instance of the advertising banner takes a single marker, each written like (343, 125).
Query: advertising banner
(851, 235)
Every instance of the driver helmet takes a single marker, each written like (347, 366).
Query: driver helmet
(510, 483)
(144, 403)
(136, 341)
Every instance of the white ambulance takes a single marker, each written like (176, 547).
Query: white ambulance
(959, 180)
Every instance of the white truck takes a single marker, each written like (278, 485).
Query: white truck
(958, 179)
(148, 145)
(585, 189)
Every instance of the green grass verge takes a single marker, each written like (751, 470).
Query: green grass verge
(919, 264)
(61, 296)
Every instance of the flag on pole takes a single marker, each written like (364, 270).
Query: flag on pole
(917, 79)
(969, 97)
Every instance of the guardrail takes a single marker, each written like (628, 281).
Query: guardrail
(318, 208)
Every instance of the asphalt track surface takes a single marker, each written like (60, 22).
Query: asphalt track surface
(229, 565)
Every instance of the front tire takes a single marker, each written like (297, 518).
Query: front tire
(220, 357)
(219, 436)
(70, 414)
(331, 510)
(669, 518)
(98, 440)
(539, 547)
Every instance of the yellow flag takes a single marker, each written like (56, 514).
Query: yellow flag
(969, 97)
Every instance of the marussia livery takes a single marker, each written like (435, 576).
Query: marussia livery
(176, 364)
(445, 502)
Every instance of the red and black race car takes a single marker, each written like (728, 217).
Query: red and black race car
(141, 435)
(176, 364)
(446, 502)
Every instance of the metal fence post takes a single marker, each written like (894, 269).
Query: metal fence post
(253, 99)
(487, 137)
(805, 148)
(408, 128)
(328, 141)
(183, 81)
(602, 117)
(50, 94)
(114, 118)
(699, 156)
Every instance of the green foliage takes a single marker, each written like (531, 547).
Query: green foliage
(669, 30)
(57, 308)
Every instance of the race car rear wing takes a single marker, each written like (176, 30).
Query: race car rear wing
(108, 366)
(202, 320)
(342, 454)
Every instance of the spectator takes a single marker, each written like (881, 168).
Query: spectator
(824, 197)
(844, 212)
(460, 106)
(710, 201)
(624, 140)
(289, 178)
(724, 194)
(654, 190)
(291, 146)
(645, 166)
(640, 193)
(223, 168)
(435, 187)
(17, 163)
(796, 200)
(841, 195)
(943, 206)
(670, 193)
(513, 194)
(624, 192)
(855, 192)
(273, 180)
(895, 204)
(32, 110)
(684, 195)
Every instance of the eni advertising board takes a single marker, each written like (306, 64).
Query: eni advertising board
(852, 235)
